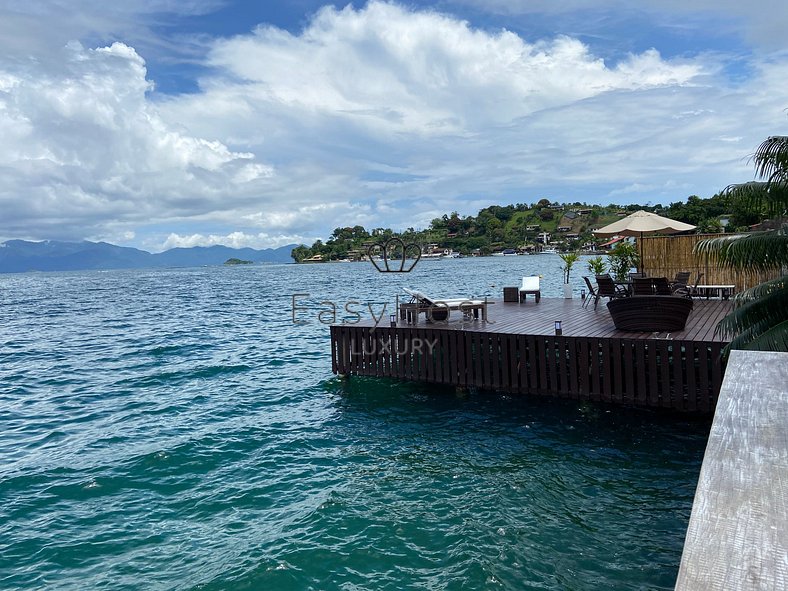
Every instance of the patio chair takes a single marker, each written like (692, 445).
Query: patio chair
(592, 293)
(530, 286)
(688, 291)
(661, 286)
(681, 279)
(438, 309)
(642, 286)
(606, 288)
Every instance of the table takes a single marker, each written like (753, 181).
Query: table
(510, 294)
(707, 291)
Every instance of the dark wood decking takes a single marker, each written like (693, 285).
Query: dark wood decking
(517, 351)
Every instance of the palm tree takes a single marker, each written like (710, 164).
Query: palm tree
(759, 319)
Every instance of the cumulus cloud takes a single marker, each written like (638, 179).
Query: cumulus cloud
(380, 116)
(396, 71)
(84, 146)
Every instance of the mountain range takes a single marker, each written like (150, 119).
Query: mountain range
(17, 256)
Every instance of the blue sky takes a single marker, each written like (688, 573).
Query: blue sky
(162, 123)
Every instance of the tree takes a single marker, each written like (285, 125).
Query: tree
(759, 319)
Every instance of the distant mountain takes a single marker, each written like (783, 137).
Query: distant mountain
(17, 256)
(217, 255)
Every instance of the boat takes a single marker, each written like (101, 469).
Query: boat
(509, 252)
(548, 250)
(441, 254)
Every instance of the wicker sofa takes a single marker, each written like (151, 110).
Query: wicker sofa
(650, 313)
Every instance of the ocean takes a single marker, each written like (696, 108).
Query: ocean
(181, 429)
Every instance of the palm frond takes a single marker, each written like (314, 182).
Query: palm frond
(757, 315)
(771, 196)
(771, 159)
(759, 251)
(774, 339)
(754, 317)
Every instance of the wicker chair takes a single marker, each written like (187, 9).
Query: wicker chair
(650, 313)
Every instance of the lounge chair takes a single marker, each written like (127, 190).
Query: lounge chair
(530, 286)
(439, 309)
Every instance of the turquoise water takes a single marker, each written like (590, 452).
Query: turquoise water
(174, 429)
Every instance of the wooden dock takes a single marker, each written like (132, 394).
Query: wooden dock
(738, 531)
(518, 351)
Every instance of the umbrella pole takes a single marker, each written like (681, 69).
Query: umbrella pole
(640, 262)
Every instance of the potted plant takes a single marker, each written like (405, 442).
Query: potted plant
(622, 259)
(597, 265)
(569, 258)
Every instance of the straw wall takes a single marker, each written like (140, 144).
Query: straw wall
(664, 256)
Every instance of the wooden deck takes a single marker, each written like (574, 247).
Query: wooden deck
(518, 351)
(738, 531)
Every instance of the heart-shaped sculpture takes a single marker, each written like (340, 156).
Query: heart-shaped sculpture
(393, 251)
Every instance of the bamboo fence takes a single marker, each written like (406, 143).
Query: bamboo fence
(664, 256)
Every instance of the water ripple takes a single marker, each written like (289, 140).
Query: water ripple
(175, 430)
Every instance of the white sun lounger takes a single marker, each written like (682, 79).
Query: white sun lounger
(434, 307)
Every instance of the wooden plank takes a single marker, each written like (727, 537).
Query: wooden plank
(495, 361)
(640, 363)
(607, 372)
(574, 387)
(653, 375)
(455, 353)
(584, 366)
(541, 348)
(428, 360)
(692, 372)
(559, 367)
(468, 342)
(677, 364)
(506, 365)
(596, 370)
(736, 537)
(703, 386)
(524, 361)
(628, 355)
(663, 346)
(533, 364)
(615, 358)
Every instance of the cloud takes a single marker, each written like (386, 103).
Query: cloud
(40, 29)
(390, 70)
(233, 240)
(84, 146)
(381, 116)
(760, 22)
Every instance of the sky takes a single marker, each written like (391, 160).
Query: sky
(164, 123)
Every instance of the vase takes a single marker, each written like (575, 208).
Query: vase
(567, 291)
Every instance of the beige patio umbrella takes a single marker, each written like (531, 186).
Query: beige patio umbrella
(643, 223)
